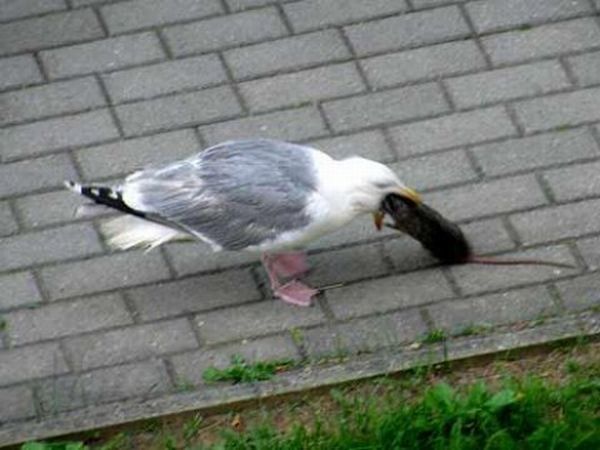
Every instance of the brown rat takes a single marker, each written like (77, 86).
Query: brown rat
(442, 238)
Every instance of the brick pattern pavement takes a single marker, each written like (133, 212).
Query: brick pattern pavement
(491, 107)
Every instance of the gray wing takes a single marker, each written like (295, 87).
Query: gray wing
(235, 195)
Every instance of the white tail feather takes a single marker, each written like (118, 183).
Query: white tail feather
(130, 231)
(88, 210)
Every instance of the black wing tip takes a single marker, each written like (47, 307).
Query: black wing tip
(72, 186)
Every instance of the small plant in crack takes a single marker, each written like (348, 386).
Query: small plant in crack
(241, 371)
(473, 330)
(434, 336)
(184, 385)
(297, 336)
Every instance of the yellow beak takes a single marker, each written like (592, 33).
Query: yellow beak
(410, 194)
(378, 219)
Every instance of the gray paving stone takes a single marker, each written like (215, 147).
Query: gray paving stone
(580, 293)
(507, 84)
(269, 316)
(30, 175)
(33, 361)
(290, 125)
(130, 344)
(18, 289)
(407, 254)
(590, 250)
(223, 32)
(574, 182)
(423, 63)
(11, 9)
(364, 335)
(41, 247)
(193, 257)
(473, 279)
(136, 14)
(434, 171)
(545, 40)
(146, 379)
(50, 208)
(50, 100)
(80, 3)
(238, 5)
(48, 31)
(385, 294)
(347, 264)
(284, 54)
(194, 294)
(57, 134)
(408, 30)
(559, 110)
(164, 78)
(492, 197)
(548, 224)
(383, 107)
(103, 273)
(190, 366)
(419, 4)
(122, 157)
(102, 55)
(66, 318)
(489, 15)
(368, 144)
(8, 225)
(452, 130)
(17, 403)
(312, 14)
(586, 68)
(143, 380)
(59, 394)
(18, 71)
(487, 236)
(300, 87)
(491, 310)
(535, 151)
(178, 110)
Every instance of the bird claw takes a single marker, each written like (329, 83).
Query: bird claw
(296, 293)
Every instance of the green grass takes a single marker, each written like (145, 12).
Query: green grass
(530, 414)
(434, 336)
(493, 405)
(241, 371)
(472, 330)
(527, 414)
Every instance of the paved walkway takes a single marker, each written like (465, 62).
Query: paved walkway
(489, 107)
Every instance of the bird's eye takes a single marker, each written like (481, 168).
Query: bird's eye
(384, 185)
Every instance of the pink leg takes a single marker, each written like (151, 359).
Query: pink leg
(291, 264)
(296, 293)
(293, 292)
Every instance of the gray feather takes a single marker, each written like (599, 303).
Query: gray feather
(236, 194)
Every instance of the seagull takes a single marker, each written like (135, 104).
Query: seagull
(258, 195)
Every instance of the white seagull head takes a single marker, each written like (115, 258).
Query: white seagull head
(370, 182)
